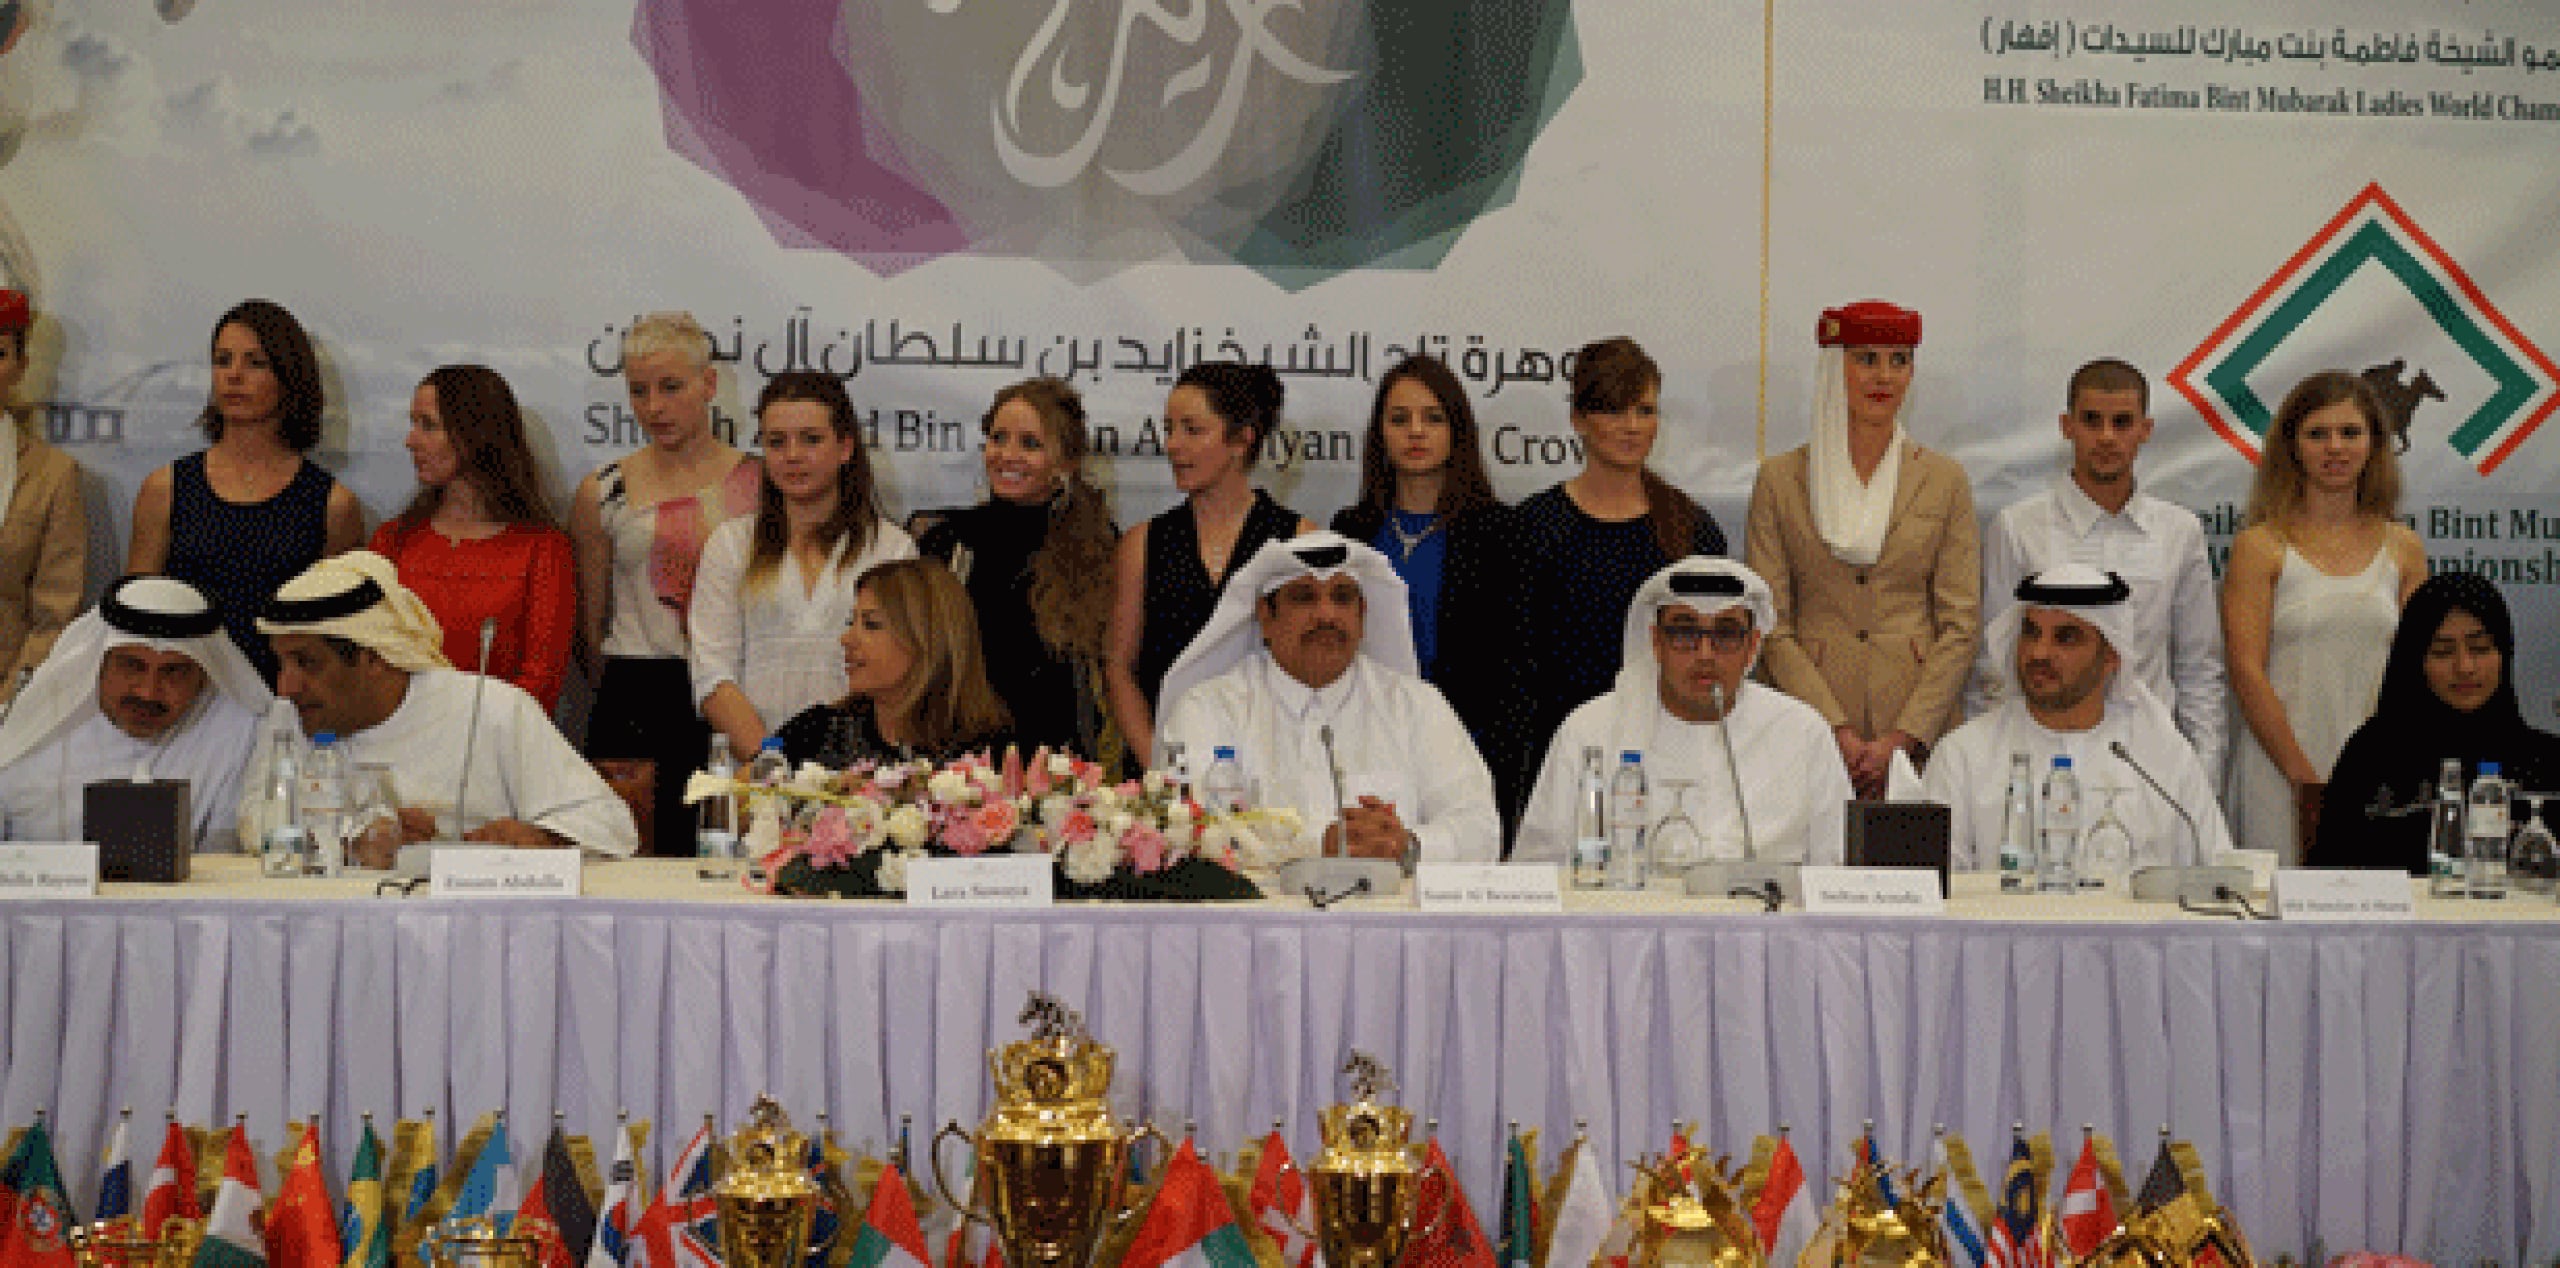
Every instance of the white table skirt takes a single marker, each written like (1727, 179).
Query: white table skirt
(2388, 1087)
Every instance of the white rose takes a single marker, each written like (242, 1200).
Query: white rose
(1153, 783)
(892, 875)
(1061, 765)
(1055, 808)
(867, 823)
(764, 835)
(811, 777)
(1119, 823)
(988, 777)
(908, 827)
(1104, 798)
(1178, 815)
(947, 786)
(1091, 862)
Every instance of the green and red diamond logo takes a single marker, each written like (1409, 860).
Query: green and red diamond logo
(2370, 287)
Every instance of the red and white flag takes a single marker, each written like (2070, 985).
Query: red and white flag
(1784, 1211)
(173, 1183)
(1279, 1197)
(2088, 1213)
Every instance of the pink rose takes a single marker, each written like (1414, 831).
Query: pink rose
(997, 821)
(1079, 827)
(830, 840)
(962, 836)
(1146, 849)
(1131, 789)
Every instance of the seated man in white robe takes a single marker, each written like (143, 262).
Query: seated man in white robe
(362, 658)
(2068, 693)
(1762, 769)
(1312, 644)
(144, 686)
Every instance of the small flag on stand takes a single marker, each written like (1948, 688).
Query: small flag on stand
(1188, 1224)
(409, 1184)
(490, 1189)
(2165, 1182)
(364, 1227)
(1584, 1214)
(891, 1237)
(2018, 1237)
(676, 1228)
(35, 1213)
(231, 1237)
(1519, 1222)
(302, 1227)
(2088, 1210)
(1784, 1212)
(1281, 1205)
(1962, 1228)
(1458, 1241)
(558, 1202)
(115, 1172)
(173, 1182)
(624, 1195)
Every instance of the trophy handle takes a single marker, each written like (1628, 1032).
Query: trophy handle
(934, 1151)
(1120, 1185)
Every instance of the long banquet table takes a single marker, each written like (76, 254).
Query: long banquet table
(2387, 1086)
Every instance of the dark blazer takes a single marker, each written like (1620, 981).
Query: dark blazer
(1479, 633)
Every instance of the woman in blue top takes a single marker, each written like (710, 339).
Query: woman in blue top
(252, 510)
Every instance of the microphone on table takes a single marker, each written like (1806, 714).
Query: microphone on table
(2200, 882)
(471, 730)
(1329, 878)
(1333, 767)
(1769, 884)
(1733, 769)
(2194, 836)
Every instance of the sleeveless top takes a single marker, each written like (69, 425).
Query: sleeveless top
(1181, 595)
(656, 549)
(237, 553)
(2328, 640)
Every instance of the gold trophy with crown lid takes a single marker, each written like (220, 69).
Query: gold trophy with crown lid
(475, 1242)
(1367, 1184)
(1698, 1222)
(765, 1195)
(119, 1243)
(1053, 1164)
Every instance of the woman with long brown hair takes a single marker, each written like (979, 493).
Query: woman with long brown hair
(2311, 597)
(1593, 541)
(1428, 505)
(478, 542)
(915, 676)
(1036, 559)
(776, 588)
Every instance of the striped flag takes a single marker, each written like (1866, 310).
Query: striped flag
(364, 1230)
(115, 1174)
(1965, 1248)
(2017, 1236)
(1784, 1211)
(231, 1237)
(1282, 1206)
(173, 1183)
(890, 1237)
(1188, 1224)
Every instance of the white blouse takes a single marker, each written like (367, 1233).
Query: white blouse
(780, 644)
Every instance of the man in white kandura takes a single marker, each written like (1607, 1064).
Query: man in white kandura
(1312, 640)
(362, 659)
(2095, 515)
(1685, 700)
(2068, 693)
(145, 685)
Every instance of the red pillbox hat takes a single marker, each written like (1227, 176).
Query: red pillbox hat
(1868, 322)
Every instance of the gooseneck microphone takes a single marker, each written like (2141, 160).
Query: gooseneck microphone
(471, 731)
(1733, 769)
(1333, 767)
(2195, 836)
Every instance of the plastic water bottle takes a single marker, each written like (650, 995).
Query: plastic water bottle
(1222, 789)
(2485, 829)
(771, 769)
(1628, 866)
(715, 834)
(2445, 844)
(2018, 828)
(282, 843)
(2060, 816)
(1591, 821)
(324, 804)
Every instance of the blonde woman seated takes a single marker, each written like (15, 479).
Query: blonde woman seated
(916, 682)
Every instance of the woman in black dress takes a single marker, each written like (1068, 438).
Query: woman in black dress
(1170, 570)
(1036, 558)
(1428, 505)
(917, 678)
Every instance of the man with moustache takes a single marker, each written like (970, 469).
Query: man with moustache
(2068, 694)
(1776, 780)
(2094, 515)
(1311, 646)
(145, 685)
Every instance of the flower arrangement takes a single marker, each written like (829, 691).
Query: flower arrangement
(852, 833)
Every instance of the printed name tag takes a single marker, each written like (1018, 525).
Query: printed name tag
(497, 872)
(1502, 887)
(1873, 891)
(2319, 895)
(60, 869)
(989, 880)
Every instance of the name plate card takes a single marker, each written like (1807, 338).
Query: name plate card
(499, 872)
(66, 869)
(1873, 891)
(989, 880)
(2320, 895)
(1488, 887)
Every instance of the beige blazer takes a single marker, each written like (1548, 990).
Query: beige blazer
(1883, 647)
(44, 555)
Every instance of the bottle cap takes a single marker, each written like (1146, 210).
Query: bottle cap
(1630, 758)
(324, 738)
(772, 744)
(2062, 761)
(2488, 769)
(1225, 753)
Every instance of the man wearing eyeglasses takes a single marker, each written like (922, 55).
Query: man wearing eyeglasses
(1307, 670)
(1761, 770)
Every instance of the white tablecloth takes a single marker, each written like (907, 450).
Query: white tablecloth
(2394, 1087)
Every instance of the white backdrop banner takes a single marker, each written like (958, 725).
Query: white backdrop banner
(932, 198)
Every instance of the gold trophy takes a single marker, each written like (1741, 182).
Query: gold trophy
(119, 1243)
(1700, 1225)
(1367, 1183)
(765, 1195)
(1863, 1228)
(475, 1242)
(1052, 1163)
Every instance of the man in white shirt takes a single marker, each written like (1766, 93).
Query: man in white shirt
(362, 660)
(1307, 670)
(2068, 694)
(1764, 771)
(2094, 515)
(147, 685)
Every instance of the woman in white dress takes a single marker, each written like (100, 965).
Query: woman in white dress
(2310, 599)
(775, 590)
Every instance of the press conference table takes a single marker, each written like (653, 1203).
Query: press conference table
(2386, 1086)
